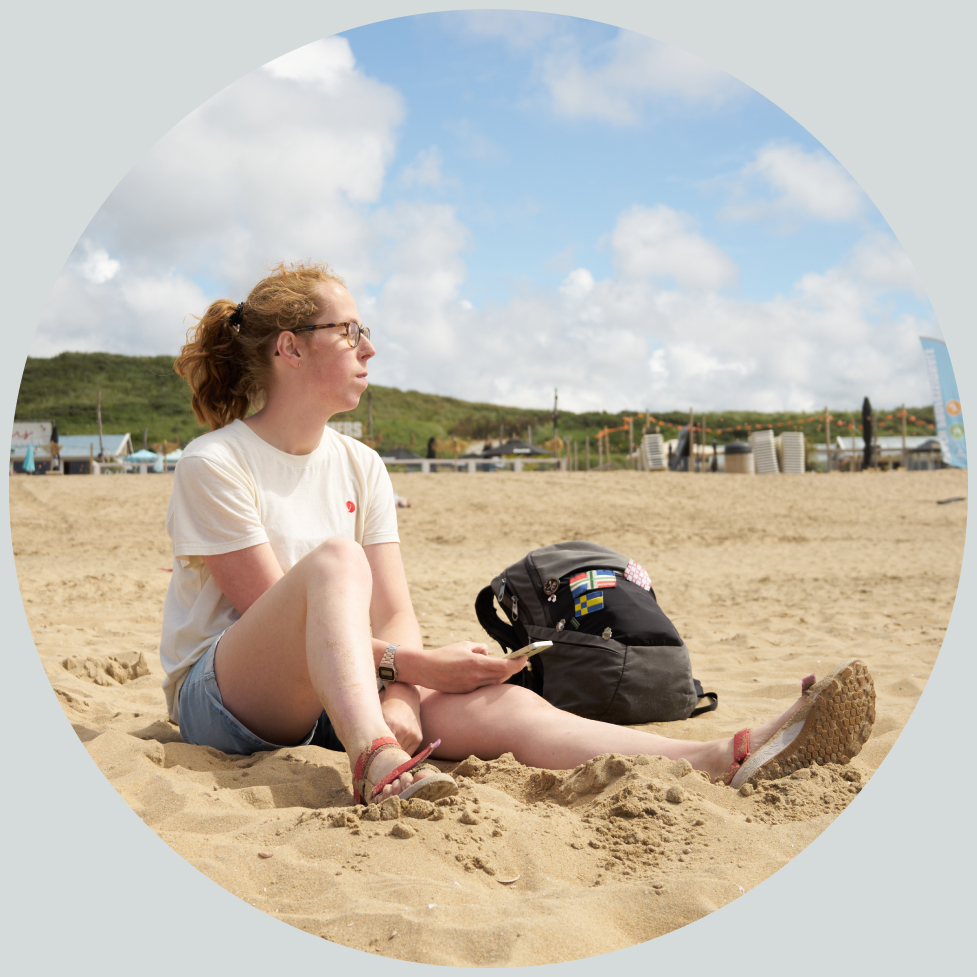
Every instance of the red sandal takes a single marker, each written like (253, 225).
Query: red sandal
(429, 788)
(741, 741)
(832, 725)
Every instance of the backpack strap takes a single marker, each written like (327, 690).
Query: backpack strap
(713, 698)
(503, 632)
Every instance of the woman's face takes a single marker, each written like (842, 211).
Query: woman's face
(336, 371)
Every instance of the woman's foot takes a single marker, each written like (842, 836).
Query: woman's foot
(723, 754)
(829, 724)
(373, 769)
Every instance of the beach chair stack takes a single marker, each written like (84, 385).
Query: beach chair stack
(653, 455)
(790, 452)
(764, 453)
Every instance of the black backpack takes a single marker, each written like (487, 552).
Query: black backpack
(615, 656)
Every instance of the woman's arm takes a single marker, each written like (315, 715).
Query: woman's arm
(244, 575)
(461, 667)
(391, 612)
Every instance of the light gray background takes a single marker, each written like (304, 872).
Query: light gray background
(887, 87)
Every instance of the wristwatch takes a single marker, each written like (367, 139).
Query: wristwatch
(387, 669)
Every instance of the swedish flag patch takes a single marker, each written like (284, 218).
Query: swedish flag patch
(588, 604)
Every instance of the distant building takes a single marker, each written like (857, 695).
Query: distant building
(889, 448)
(77, 452)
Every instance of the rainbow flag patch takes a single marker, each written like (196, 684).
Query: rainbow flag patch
(588, 604)
(592, 580)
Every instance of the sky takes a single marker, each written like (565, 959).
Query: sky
(518, 202)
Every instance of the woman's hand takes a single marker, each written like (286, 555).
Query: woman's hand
(401, 707)
(460, 667)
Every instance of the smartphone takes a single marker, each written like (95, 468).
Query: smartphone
(526, 652)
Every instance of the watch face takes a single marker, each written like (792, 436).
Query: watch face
(387, 673)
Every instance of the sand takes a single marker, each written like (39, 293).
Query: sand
(767, 578)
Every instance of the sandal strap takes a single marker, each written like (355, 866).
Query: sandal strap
(741, 746)
(741, 751)
(365, 760)
(410, 764)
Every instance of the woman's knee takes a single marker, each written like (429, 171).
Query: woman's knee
(338, 556)
(522, 699)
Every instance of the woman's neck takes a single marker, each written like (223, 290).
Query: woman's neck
(295, 433)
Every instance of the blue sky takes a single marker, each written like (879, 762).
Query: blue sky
(538, 188)
(518, 202)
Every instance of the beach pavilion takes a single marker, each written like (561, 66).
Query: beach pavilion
(79, 453)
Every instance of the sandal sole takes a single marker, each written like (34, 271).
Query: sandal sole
(430, 788)
(832, 728)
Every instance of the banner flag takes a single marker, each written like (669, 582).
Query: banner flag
(946, 403)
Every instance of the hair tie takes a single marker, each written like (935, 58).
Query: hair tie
(235, 319)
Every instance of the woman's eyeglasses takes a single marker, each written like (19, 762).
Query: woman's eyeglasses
(353, 330)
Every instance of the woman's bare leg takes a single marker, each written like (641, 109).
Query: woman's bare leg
(304, 646)
(508, 719)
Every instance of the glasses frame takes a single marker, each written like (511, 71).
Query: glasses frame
(350, 327)
(360, 329)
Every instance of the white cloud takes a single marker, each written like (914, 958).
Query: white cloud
(96, 267)
(283, 165)
(424, 169)
(134, 314)
(521, 30)
(880, 260)
(628, 342)
(473, 143)
(614, 81)
(658, 242)
(785, 180)
(582, 73)
(324, 64)
(292, 162)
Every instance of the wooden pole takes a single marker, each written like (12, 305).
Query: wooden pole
(691, 440)
(905, 456)
(702, 463)
(827, 435)
(98, 416)
(630, 441)
(600, 451)
(576, 460)
(587, 450)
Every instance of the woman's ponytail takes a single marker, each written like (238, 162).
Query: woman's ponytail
(214, 363)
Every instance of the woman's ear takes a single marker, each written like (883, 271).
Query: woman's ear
(287, 348)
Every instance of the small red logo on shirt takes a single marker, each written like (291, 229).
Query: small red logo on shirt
(351, 506)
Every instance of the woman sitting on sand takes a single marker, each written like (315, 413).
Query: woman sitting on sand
(289, 595)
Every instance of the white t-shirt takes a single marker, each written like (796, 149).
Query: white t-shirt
(233, 490)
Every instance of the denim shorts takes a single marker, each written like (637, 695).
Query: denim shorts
(205, 722)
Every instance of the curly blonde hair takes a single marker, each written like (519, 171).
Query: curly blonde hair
(227, 356)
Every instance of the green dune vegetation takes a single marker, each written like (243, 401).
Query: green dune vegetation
(143, 394)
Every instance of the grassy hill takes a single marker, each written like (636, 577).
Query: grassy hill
(143, 393)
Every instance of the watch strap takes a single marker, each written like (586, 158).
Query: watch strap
(387, 669)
